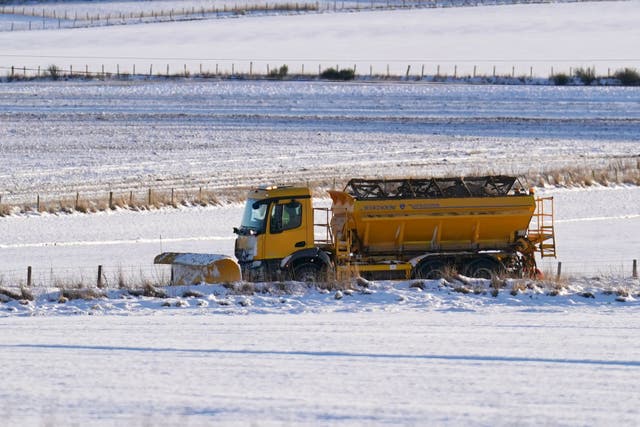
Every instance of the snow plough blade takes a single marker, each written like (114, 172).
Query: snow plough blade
(192, 268)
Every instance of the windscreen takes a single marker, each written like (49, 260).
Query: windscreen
(255, 216)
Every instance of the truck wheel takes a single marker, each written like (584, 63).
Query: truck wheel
(307, 272)
(430, 269)
(483, 268)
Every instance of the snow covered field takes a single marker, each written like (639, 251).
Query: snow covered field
(92, 137)
(393, 353)
(564, 35)
(498, 364)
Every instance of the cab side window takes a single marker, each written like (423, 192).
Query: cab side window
(285, 217)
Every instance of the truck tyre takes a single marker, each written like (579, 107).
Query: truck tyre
(483, 268)
(307, 272)
(430, 269)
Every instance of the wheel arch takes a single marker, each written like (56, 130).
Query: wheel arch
(436, 261)
(487, 263)
(312, 256)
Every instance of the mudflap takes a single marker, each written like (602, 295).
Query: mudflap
(192, 268)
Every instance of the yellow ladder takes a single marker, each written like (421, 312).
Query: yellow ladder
(343, 257)
(343, 247)
(541, 228)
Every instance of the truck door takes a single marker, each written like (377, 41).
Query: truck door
(287, 231)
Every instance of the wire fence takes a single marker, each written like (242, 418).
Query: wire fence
(136, 276)
(97, 200)
(101, 276)
(603, 71)
(595, 268)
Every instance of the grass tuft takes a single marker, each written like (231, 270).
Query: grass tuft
(279, 73)
(338, 74)
(628, 77)
(54, 72)
(5, 210)
(82, 293)
(586, 75)
(560, 79)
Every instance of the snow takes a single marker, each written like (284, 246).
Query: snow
(385, 353)
(491, 365)
(542, 36)
(597, 230)
(95, 137)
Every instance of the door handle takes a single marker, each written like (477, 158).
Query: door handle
(301, 244)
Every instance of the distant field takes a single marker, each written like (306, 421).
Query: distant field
(518, 40)
(93, 137)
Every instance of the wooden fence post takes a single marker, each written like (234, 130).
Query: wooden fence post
(559, 272)
(149, 197)
(38, 203)
(635, 268)
(77, 199)
(111, 200)
(29, 276)
(99, 281)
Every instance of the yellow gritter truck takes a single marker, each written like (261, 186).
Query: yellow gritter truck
(383, 229)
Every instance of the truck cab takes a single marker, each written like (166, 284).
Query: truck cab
(275, 240)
